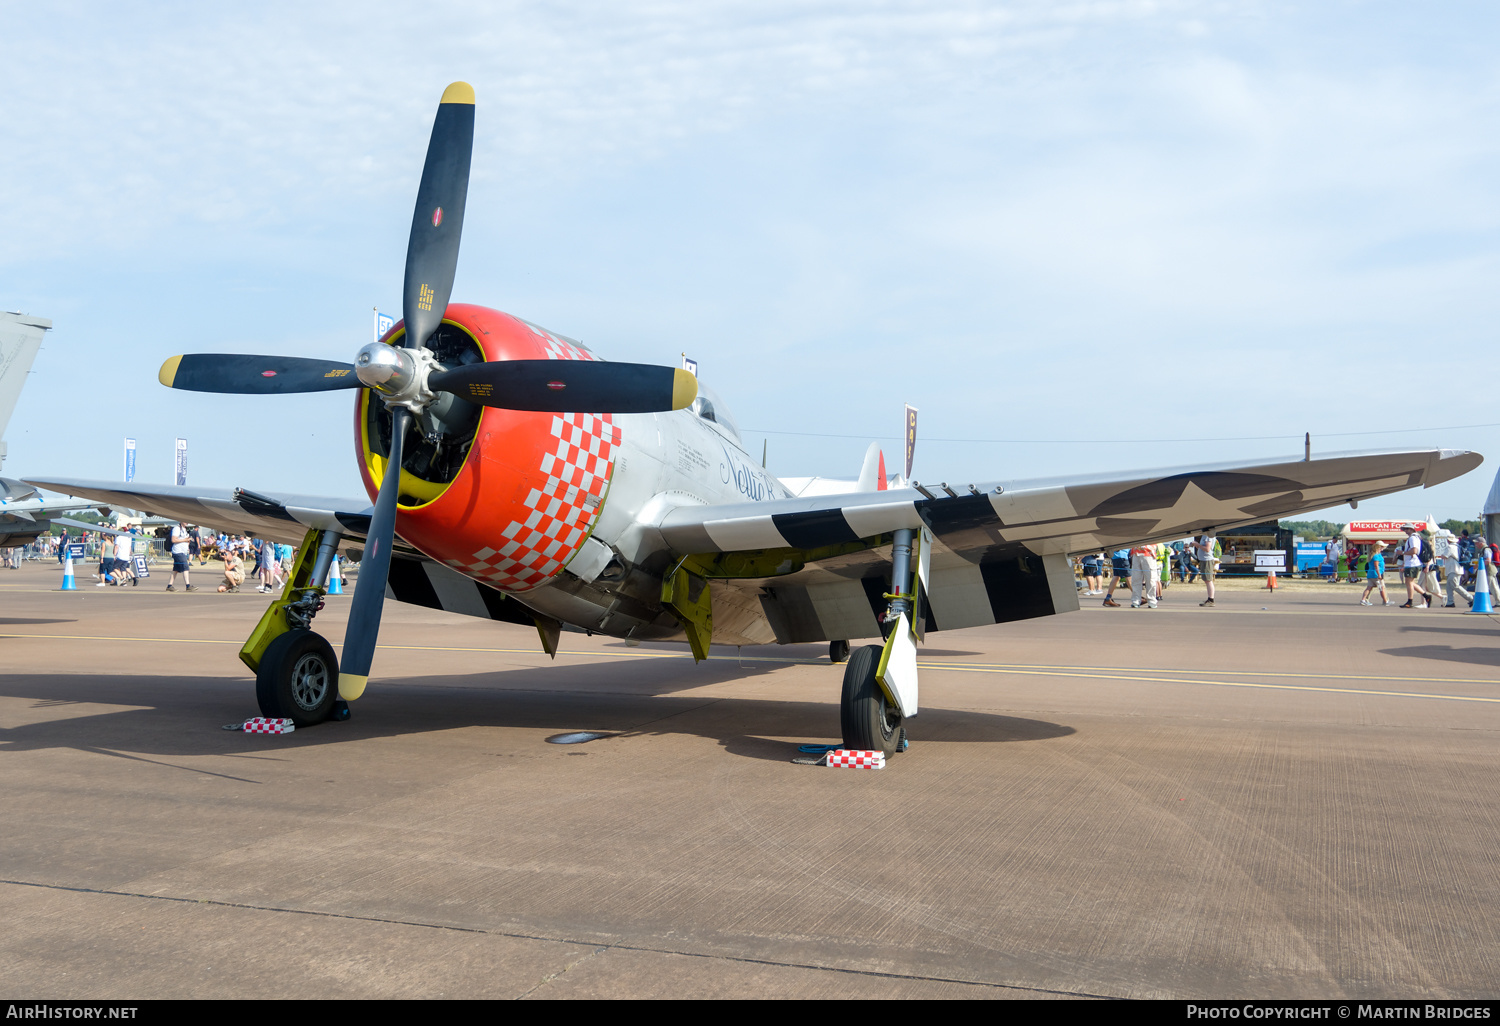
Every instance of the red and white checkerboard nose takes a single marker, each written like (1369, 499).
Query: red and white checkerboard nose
(554, 518)
(534, 483)
(851, 758)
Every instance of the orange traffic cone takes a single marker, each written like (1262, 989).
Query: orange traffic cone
(1271, 578)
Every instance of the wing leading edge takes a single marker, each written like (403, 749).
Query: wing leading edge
(284, 519)
(820, 565)
(1061, 516)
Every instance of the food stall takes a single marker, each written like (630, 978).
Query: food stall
(1240, 545)
(1359, 535)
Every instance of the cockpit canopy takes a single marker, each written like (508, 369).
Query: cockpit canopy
(711, 409)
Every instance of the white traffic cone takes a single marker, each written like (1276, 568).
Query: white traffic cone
(335, 579)
(68, 584)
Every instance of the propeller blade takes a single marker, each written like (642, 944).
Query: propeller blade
(374, 568)
(569, 386)
(438, 222)
(255, 375)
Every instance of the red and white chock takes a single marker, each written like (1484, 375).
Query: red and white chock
(268, 725)
(850, 758)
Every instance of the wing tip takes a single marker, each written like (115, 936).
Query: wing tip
(1450, 464)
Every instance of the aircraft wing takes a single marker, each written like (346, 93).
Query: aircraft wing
(285, 519)
(281, 518)
(1000, 548)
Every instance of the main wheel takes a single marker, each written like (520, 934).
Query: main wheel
(298, 678)
(838, 651)
(869, 721)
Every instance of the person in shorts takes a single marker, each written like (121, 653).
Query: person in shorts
(1375, 576)
(1091, 574)
(234, 570)
(106, 561)
(179, 543)
(1119, 561)
(1203, 549)
(124, 556)
(1411, 569)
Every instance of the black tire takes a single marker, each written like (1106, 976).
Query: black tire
(838, 651)
(869, 721)
(298, 678)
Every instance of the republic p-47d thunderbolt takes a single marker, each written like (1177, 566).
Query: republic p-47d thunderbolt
(516, 476)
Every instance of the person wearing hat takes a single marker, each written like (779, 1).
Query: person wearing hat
(1411, 568)
(1375, 576)
(1446, 549)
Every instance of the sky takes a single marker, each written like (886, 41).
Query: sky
(1079, 236)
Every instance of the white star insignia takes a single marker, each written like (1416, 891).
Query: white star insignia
(1193, 506)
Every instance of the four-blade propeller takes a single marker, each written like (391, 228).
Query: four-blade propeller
(408, 377)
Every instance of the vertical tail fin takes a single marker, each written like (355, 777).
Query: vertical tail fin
(872, 474)
(20, 338)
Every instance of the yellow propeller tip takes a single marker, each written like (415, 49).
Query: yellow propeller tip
(459, 92)
(168, 372)
(684, 388)
(351, 686)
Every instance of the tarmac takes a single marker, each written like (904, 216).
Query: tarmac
(1288, 795)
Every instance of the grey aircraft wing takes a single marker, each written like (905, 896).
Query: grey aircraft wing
(282, 518)
(821, 564)
(286, 518)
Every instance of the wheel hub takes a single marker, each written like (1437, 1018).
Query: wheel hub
(310, 682)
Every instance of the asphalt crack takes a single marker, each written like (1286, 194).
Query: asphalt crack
(597, 948)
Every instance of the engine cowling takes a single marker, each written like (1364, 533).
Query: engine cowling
(504, 496)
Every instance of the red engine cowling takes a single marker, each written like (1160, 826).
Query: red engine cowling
(532, 484)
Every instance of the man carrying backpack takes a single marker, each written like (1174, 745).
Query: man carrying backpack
(179, 543)
(1411, 568)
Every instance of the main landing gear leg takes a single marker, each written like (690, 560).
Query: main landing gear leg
(296, 672)
(880, 682)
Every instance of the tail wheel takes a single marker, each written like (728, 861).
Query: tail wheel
(870, 721)
(298, 678)
(838, 651)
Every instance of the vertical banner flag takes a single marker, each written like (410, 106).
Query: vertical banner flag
(911, 437)
(383, 324)
(181, 462)
(129, 460)
(691, 366)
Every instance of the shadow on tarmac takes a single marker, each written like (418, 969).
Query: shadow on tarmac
(1448, 654)
(184, 716)
(1488, 632)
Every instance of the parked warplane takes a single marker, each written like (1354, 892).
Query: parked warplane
(515, 476)
(24, 520)
(24, 514)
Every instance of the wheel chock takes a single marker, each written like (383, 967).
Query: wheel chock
(849, 758)
(268, 725)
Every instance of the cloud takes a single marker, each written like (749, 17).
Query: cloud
(121, 122)
(1026, 197)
